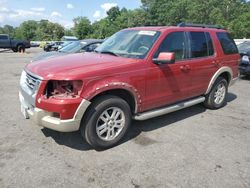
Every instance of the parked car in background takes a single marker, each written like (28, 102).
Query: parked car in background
(87, 45)
(14, 45)
(65, 43)
(244, 50)
(69, 38)
(52, 46)
(138, 73)
(34, 44)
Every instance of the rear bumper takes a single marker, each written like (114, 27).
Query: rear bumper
(46, 119)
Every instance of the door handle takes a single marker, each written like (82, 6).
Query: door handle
(185, 67)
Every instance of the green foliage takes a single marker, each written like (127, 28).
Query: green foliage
(82, 27)
(232, 14)
(33, 30)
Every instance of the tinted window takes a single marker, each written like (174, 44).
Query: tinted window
(174, 42)
(198, 43)
(227, 43)
(3, 37)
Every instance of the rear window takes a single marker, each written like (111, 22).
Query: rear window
(227, 43)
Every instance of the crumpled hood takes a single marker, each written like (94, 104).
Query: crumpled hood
(74, 65)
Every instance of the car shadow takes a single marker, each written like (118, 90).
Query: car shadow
(74, 140)
(245, 78)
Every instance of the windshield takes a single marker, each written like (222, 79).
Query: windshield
(245, 46)
(129, 43)
(73, 47)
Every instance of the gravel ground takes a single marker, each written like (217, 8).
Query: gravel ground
(193, 147)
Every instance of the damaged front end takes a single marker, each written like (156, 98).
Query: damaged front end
(63, 89)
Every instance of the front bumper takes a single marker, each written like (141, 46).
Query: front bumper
(46, 119)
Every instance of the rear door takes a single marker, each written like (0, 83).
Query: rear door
(201, 60)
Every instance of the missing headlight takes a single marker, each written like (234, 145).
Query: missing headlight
(63, 89)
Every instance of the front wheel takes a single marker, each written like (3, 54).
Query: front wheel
(216, 98)
(106, 122)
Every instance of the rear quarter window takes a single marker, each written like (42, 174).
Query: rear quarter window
(227, 43)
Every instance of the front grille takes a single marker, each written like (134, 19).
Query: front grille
(31, 81)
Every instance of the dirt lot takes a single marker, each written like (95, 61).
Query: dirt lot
(194, 147)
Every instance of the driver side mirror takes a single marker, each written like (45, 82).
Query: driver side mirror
(165, 58)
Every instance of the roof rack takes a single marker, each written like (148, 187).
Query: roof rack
(183, 24)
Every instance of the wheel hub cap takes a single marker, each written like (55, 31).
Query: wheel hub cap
(220, 93)
(110, 123)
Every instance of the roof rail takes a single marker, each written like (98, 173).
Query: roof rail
(183, 24)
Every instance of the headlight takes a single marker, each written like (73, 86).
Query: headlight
(63, 89)
(23, 78)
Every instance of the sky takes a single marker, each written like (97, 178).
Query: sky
(14, 12)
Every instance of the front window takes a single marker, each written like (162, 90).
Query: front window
(129, 43)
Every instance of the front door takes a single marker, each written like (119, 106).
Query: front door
(169, 83)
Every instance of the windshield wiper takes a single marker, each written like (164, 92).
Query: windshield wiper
(107, 52)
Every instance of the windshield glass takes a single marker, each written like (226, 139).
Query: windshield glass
(245, 46)
(129, 43)
(73, 47)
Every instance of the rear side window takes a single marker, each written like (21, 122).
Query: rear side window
(227, 43)
(3, 37)
(174, 42)
(199, 46)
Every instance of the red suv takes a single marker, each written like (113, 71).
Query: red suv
(137, 73)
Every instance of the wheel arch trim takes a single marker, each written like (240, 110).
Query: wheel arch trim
(224, 69)
(117, 86)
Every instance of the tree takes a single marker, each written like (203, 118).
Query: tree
(82, 27)
(28, 30)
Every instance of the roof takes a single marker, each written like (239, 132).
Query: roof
(163, 28)
(88, 41)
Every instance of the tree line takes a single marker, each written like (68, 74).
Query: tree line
(232, 14)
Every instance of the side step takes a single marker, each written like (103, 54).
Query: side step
(168, 109)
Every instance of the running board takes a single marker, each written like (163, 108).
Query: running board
(168, 109)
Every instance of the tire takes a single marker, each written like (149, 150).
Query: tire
(216, 98)
(96, 118)
(20, 48)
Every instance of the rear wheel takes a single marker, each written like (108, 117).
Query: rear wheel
(216, 98)
(106, 122)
